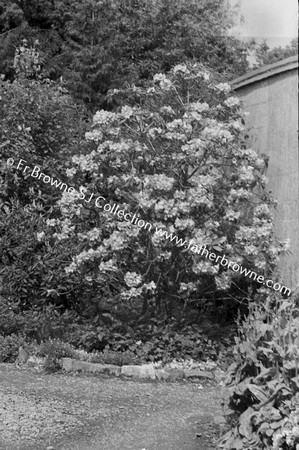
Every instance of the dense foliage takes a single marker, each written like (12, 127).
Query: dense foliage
(94, 46)
(98, 45)
(39, 123)
(262, 387)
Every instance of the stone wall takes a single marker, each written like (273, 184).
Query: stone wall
(270, 95)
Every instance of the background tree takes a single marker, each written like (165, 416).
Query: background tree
(96, 46)
(265, 55)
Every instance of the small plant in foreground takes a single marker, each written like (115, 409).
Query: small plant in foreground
(53, 350)
(118, 358)
(9, 347)
(56, 348)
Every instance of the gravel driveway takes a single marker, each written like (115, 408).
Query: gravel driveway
(68, 412)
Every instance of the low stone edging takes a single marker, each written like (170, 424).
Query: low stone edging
(144, 371)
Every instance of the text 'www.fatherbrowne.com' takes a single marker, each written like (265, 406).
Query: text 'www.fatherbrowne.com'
(221, 259)
(115, 209)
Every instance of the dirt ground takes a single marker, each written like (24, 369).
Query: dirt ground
(70, 412)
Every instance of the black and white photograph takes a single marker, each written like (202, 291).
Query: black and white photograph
(149, 225)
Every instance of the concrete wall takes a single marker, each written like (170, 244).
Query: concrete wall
(270, 95)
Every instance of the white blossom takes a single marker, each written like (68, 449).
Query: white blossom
(223, 87)
(40, 236)
(71, 172)
(181, 68)
(232, 101)
(127, 112)
(132, 279)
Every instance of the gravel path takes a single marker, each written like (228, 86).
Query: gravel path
(64, 412)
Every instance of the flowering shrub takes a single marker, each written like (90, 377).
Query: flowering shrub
(262, 386)
(176, 154)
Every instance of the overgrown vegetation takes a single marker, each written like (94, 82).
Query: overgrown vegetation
(262, 387)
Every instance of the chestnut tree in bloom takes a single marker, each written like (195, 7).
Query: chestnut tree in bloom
(177, 155)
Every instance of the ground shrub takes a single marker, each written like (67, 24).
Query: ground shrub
(119, 358)
(56, 349)
(9, 347)
(262, 387)
(53, 350)
(40, 322)
(149, 343)
(168, 345)
(51, 364)
(60, 335)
